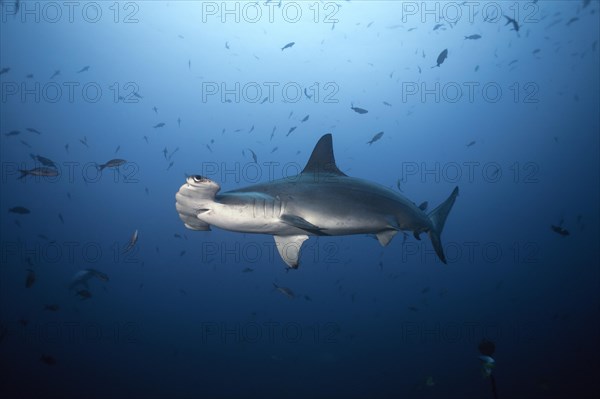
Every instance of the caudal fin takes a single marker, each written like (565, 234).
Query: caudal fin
(438, 219)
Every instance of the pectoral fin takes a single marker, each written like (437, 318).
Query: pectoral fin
(289, 248)
(301, 223)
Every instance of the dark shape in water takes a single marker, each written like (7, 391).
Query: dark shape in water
(21, 210)
(441, 58)
(84, 294)
(113, 163)
(487, 348)
(473, 37)
(375, 138)
(30, 279)
(42, 171)
(514, 23)
(43, 160)
(559, 230)
(289, 45)
(358, 110)
(161, 124)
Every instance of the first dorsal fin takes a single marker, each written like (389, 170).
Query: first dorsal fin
(322, 160)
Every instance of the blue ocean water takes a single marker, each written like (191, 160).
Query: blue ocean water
(510, 116)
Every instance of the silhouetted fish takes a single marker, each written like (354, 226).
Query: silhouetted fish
(288, 45)
(441, 58)
(375, 138)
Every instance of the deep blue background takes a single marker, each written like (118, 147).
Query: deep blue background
(366, 321)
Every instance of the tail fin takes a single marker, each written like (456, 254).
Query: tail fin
(23, 173)
(438, 219)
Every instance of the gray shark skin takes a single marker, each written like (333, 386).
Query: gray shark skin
(321, 200)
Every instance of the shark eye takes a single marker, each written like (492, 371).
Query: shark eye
(198, 179)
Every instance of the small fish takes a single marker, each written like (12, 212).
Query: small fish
(264, 100)
(84, 141)
(4, 70)
(146, 139)
(113, 163)
(12, 133)
(387, 104)
(42, 171)
(273, 133)
(247, 270)
(67, 148)
(290, 131)
(437, 26)
(170, 165)
(476, 68)
(29, 76)
(47, 359)
(132, 241)
(514, 23)
(161, 124)
(182, 253)
(176, 235)
(84, 294)
(32, 130)
(253, 155)
(84, 69)
(472, 143)
(52, 308)
(19, 210)
(30, 279)
(251, 129)
(209, 148)
(375, 138)
(306, 94)
(178, 122)
(60, 217)
(398, 185)
(559, 230)
(227, 45)
(572, 20)
(441, 58)
(306, 297)
(285, 291)
(274, 149)
(305, 118)
(358, 110)
(289, 45)
(473, 37)
(117, 149)
(43, 160)
(155, 110)
(55, 74)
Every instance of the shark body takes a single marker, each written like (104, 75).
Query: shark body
(320, 201)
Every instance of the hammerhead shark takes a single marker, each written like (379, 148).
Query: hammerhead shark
(320, 201)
